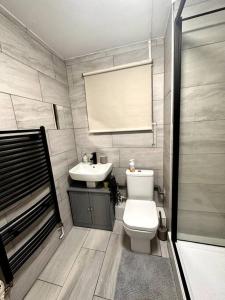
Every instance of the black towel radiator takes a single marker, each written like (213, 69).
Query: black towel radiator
(25, 167)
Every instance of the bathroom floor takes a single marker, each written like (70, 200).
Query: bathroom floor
(86, 265)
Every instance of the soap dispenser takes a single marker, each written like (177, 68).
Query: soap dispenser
(131, 165)
(85, 158)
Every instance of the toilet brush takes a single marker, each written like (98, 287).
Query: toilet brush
(162, 230)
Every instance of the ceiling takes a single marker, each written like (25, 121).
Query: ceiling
(77, 27)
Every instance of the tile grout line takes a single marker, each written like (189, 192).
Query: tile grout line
(100, 297)
(55, 284)
(75, 258)
(103, 251)
(32, 67)
(102, 265)
(13, 110)
(34, 99)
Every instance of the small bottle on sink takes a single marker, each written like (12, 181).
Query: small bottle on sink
(85, 158)
(131, 165)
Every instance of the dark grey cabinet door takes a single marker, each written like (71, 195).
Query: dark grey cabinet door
(80, 206)
(100, 204)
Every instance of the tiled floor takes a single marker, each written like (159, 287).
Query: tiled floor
(85, 266)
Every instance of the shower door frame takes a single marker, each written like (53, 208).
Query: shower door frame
(176, 126)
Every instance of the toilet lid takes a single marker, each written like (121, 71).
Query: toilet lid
(141, 215)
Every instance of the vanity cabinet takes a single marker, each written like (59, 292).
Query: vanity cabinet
(91, 208)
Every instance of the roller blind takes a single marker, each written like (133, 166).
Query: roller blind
(120, 99)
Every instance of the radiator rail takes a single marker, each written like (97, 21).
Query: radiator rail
(25, 167)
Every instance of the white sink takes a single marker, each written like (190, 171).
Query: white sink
(88, 172)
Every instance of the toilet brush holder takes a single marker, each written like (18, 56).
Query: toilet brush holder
(162, 230)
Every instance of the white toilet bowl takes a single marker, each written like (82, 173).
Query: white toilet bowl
(140, 217)
(140, 223)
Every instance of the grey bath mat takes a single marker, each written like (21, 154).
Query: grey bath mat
(144, 277)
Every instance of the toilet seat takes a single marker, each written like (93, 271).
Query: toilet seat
(141, 215)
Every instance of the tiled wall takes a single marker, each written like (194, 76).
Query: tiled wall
(202, 150)
(168, 123)
(31, 80)
(120, 147)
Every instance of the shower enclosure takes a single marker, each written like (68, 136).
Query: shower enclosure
(198, 185)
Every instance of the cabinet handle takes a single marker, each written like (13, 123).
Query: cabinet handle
(89, 209)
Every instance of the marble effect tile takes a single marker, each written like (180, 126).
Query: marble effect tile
(59, 164)
(111, 153)
(78, 68)
(60, 69)
(144, 157)
(203, 31)
(25, 81)
(155, 247)
(97, 240)
(157, 51)
(54, 91)
(202, 197)
(158, 112)
(7, 117)
(202, 137)
(33, 114)
(20, 45)
(29, 272)
(65, 117)
(197, 62)
(61, 140)
(131, 56)
(77, 94)
(158, 86)
(43, 290)
(164, 249)
(85, 139)
(83, 277)
(118, 227)
(202, 103)
(194, 169)
(108, 275)
(60, 265)
(97, 298)
(132, 139)
(199, 224)
(80, 118)
(120, 174)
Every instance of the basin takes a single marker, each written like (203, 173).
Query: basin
(90, 173)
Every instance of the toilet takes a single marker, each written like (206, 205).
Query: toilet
(140, 219)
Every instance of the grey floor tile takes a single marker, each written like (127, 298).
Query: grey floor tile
(43, 290)
(97, 239)
(108, 276)
(81, 282)
(164, 249)
(61, 263)
(118, 227)
(78, 227)
(155, 247)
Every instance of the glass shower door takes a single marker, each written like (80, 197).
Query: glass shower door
(201, 187)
